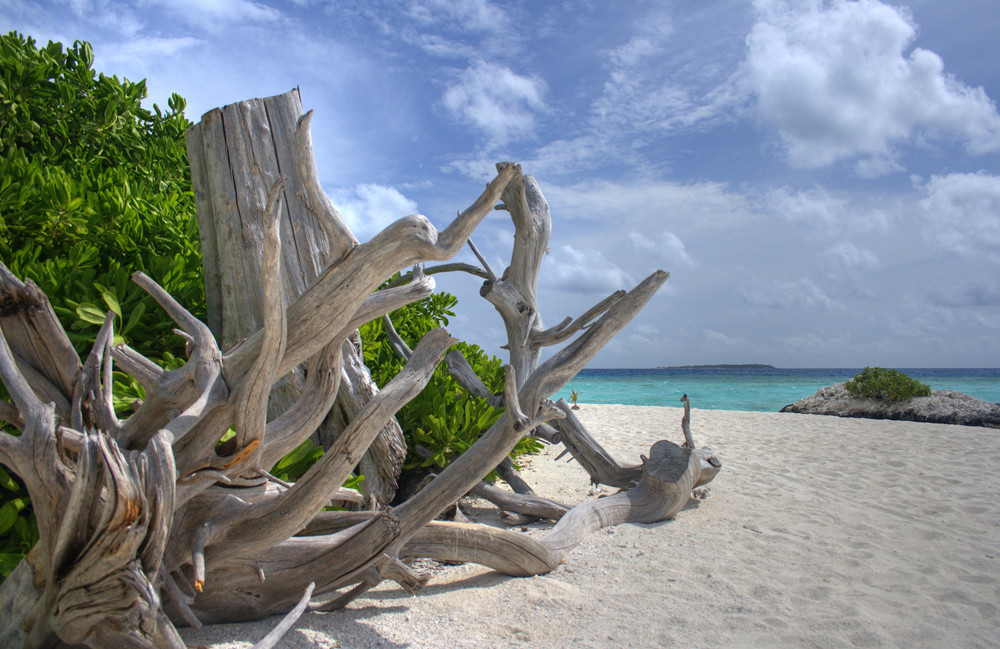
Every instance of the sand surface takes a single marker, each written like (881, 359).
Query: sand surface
(819, 532)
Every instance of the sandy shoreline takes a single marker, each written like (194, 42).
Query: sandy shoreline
(819, 532)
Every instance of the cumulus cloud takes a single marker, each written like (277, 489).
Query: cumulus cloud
(665, 247)
(961, 212)
(838, 81)
(582, 271)
(369, 208)
(799, 294)
(496, 100)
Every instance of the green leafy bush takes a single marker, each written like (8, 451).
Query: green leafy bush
(886, 385)
(443, 420)
(93, 187)
(18, 531)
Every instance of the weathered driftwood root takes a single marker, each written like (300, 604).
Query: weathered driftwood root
(150, 521)
(237, 152)
(103, 532)
(529, 505)
(602, 467)
(663, 489)
(710, 463)
(189, 409)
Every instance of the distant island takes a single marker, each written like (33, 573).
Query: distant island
(745, 366)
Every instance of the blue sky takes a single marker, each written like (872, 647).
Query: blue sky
(821, 179)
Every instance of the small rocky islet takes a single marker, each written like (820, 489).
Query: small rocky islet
(942, 407)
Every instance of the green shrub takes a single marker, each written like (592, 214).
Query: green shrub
(92, 188)
(886, 385)
(443, 420)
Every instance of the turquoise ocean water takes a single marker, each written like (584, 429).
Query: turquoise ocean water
(760, 389)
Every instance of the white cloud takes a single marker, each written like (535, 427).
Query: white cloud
(496, 100)
(643, 202)
(369, 208)
(719, 339)
(633, 52)
(665, 247)
(820, 209)
(471, 15)
(646, 329)
(116, 17)
(582, 271)
(837, 81)
(152, 46)
(207, 14)
(846, 255)
(799, 294)
(961, 212)
(647, 92)
(437, 45)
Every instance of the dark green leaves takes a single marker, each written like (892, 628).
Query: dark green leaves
(92, 188)
(443, 420)
(18, 531)
(7, 481)
(886, 385)
(293, 465)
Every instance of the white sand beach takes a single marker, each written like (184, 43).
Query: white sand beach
(819, 532)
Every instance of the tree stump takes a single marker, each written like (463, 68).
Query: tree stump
(237, 153)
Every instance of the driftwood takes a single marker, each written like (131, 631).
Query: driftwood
(147, 522)
(236, 153)
(514, 294)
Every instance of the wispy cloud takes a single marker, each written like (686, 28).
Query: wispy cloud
(495, 100)
(647, 92)
(665, 247)
(846, 255)
(717, 339)
(153, 46)
(820, 210)
(838, 81)
(961, 212)
(797, 294)
(212, 14)
(471, 15)
(650, 202)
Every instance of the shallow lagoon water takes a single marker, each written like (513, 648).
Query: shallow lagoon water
(753, 389)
